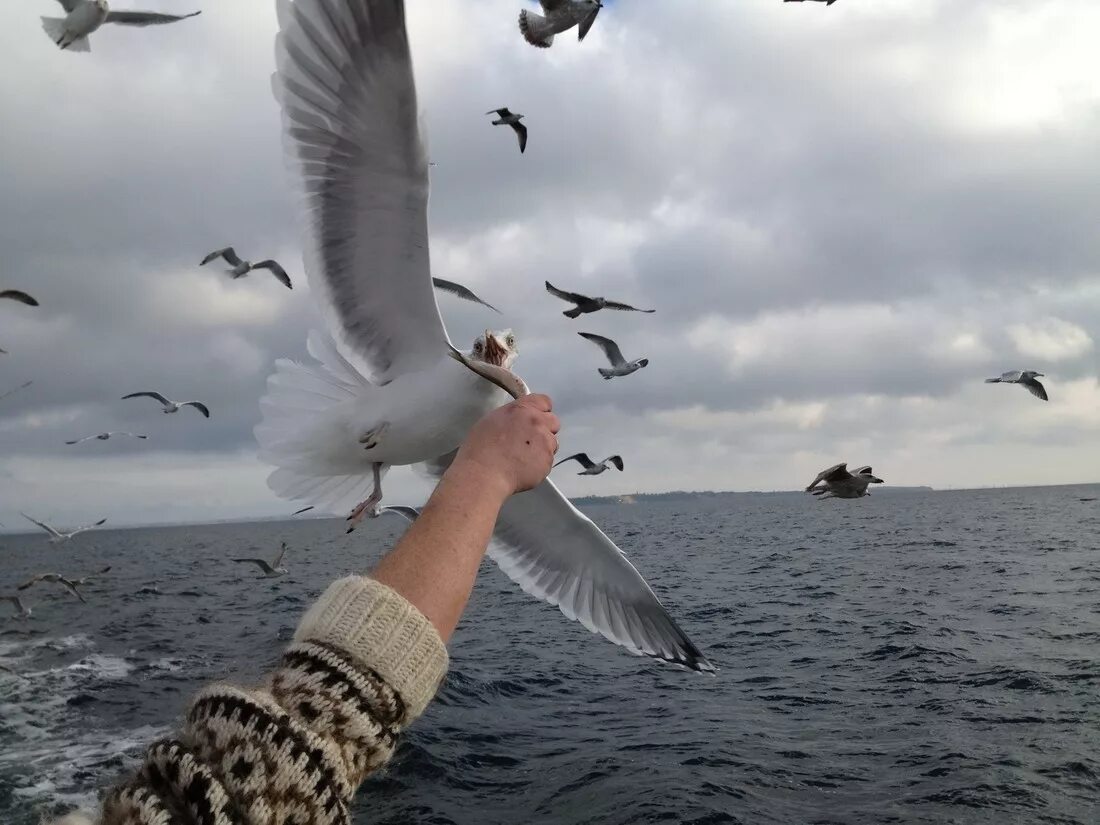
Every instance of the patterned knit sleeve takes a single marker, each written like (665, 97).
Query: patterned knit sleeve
(364, 664)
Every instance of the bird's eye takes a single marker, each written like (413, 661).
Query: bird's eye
(510, 341)
(477, 346)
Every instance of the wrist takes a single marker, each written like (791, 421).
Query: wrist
(478, 479)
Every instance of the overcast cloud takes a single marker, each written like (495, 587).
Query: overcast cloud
(846, 217)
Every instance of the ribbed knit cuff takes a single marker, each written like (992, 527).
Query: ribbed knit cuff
(384, 632)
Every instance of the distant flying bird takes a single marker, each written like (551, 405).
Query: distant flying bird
(72, 585)
(560, 16)
(57, 536)
(22, 386)
(460, 291)
(21, 609)
(591, 468)
(85, 16)
(242, 267)
(170, 406)
(1025, 378)
(104, 437)
(838, 482)
(584, 304)
(18, 295)
(826, 2)
(303, 510)
(507, 118)
(272, 570)
(619, 365)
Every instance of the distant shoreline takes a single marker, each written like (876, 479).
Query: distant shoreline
(708, 495)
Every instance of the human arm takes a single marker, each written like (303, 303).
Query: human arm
(366, 660)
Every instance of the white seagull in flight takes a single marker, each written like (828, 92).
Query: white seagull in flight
(104, 437)
(271, 570)
(560, 16)
(592, 468)
(1025, 378)
(169, 405)
(619, 365)
(57, 536)
(391, 389)
(240, 267)
(85, 16)
(839, 482)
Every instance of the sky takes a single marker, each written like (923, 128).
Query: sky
(846, 217)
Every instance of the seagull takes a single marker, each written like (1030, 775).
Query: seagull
(389, 387)
(72, 585)
(272, 570)
(1025, 378)
(21, 609)
(619, 365)
(591, 468)
(22, 386)
(584, 304)
(104, 437)
(56, 536)
(560, 16)
(507, 118)
(18, 295)
(170, 406)
(242, 268)
(85, 16)
(840, 483)
(303, 510)
(460, 291)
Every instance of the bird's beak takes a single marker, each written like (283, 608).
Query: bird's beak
(877, 480)
(503, 378)
(1041, 375)
(494, 352)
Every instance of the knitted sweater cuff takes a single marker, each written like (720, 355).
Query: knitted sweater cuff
(383, 632)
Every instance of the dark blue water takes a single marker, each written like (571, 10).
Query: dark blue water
(908, 658)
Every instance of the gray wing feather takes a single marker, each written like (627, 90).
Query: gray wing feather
(20, 296)
(609, 347)
(586, 24)
(618, 305)
(275, 269)
(1036, 388)
(148, 394)
(198, 405)
(617, 461)
(145, 18)
(571, 297)
(460, 291)
(345, 84)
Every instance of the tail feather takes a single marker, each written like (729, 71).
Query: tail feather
(335, 494)
(572, 313)
(993, 380)
(535, 30)
(606, 373)
(55, 28)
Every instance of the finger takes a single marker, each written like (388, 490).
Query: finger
(538, 401)
(553, 423)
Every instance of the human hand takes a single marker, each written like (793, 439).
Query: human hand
(511, 448)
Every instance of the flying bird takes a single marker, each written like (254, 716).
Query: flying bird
(838, 482)
(85, 16)
(18, 295)
(591, 468)
(21, 609)
(303, 510)
(104, 437)
(240, 267)
(619, 365)
(465, 293)
(584, 304)
(272, 570)
(72, 585)
(57, 536)
(507, 118)
(1025, 378)
(391, 388)
(558, 16)
(169, 405)
(826, 2)
(22, 386)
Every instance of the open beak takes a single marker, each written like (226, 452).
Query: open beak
(503, 378)
(494, 352)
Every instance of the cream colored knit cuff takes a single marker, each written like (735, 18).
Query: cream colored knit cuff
(383, 631)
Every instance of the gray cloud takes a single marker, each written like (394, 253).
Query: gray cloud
(846, 220)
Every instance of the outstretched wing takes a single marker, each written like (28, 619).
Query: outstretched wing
(571, 297)
(609, 347)
(521, 133)
(198, 405)
(82, 440)
(145, 18)
(558, 555)
(344, 81)
(460, 291)
(20, 296)
(617, 460)
(260, 563)
(148, 394)
(586, 24)
(626, 307)
(88, 527)
(1035, 388)
(279, 558)
(276, 270)
(580, 458)
(837, 472)
(45, 527)
(228, 254)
